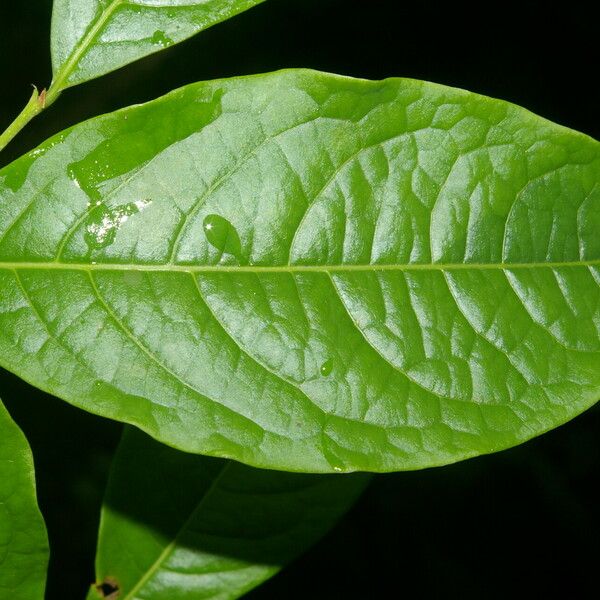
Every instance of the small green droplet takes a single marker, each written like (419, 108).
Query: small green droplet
(100, 229)
(327, 368)
(221, 234)
(160, 38)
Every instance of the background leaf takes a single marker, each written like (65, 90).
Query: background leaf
(415, 281)
(176, 525)
(93, 37)
(23, 541)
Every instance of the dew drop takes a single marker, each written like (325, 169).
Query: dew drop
(160, 38)
(103, 224)
(15, 176)
(327, 367)
(72, 174)
(337, 469)
(221, 234)
(14, 179)
(100, 230)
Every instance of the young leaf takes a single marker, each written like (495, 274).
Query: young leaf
(309, 272)
(177, 525)
(93, 37)
(23, 540)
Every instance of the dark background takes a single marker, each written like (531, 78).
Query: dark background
(522, 523)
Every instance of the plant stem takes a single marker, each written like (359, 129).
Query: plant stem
(39, 101)
(36, 104)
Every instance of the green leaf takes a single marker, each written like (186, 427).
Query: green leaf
(402, 274)
(23, 541)
(93, 37)
(177, 525)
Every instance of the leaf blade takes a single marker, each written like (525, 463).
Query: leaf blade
(23, 539)
(212, 528)
(358, 317)
(95, 37)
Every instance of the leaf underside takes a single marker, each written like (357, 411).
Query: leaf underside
(177, 525)
(93, 37)
(23, 541)
(308, 272)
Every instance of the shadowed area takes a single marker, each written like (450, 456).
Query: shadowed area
(445, 532)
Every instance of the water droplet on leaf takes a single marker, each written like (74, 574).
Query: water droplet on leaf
(221, 234)
(161, 39)
(104, 223)
(73, 176)
(327, 367)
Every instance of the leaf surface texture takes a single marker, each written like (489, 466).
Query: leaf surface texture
(309, 272)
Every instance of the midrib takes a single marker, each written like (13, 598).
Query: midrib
(81, 48)
(178, 268)
(171, 546)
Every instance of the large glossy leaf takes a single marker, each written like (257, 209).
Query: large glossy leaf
(92, 37)
(177, 525)
(310, 272)
(23, 541)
